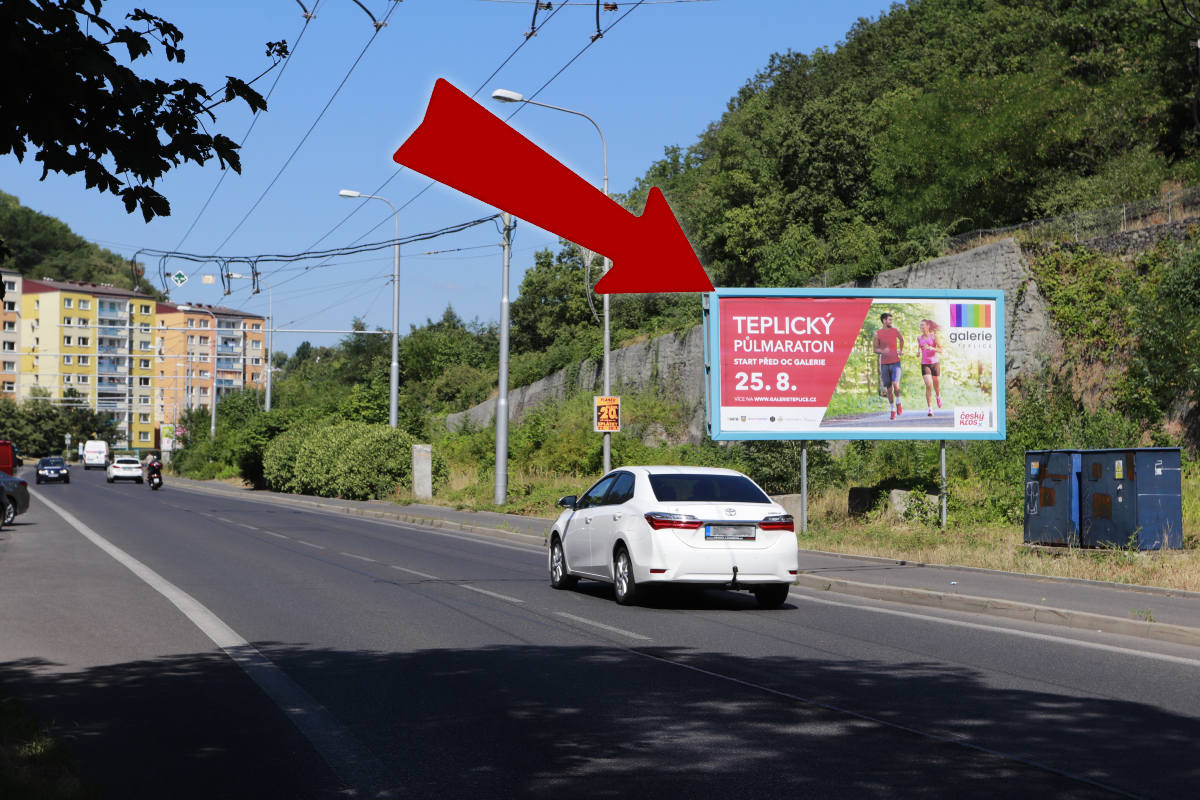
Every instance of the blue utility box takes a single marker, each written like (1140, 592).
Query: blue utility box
(1132, 498)
(1052, 497)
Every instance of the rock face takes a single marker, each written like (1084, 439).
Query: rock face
(674, 364)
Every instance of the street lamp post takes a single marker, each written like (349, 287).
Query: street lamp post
(501, 493)
(270, 328)
(505, 96)
(394, 382)
(212, 417)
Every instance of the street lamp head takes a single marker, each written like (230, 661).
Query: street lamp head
(183, 308)
(348, 193)
(505, 96)
(238, 275)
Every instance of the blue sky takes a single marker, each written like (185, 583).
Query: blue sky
(656, 79)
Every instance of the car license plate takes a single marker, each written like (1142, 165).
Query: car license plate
(728, 532)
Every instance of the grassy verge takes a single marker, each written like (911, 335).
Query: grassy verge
(33, 764)
(531, 493)
(997, 546)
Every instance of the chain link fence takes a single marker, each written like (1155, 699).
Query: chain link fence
(1168, 207)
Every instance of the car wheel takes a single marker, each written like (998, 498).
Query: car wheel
(67, 480)
(771, 595)
(39, 481)
(10, 512)
(139, 480)
(559, 578)
(110, 480)
(626, 587)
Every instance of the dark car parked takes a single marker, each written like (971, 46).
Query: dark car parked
(16, 491)
(53, 468)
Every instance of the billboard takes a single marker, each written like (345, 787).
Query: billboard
(855, 364)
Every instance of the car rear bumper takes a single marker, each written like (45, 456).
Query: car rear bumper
(664, 559)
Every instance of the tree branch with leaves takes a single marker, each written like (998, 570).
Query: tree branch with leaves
(66, 96)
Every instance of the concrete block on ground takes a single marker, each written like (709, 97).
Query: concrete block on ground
(422, 471)
(863, 499)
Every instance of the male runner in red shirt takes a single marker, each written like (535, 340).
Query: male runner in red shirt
(889, 344)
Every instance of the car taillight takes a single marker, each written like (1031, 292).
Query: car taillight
(659, 520)
(23, 483)
(783, 523)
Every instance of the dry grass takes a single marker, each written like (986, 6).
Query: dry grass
(998, 546)
(531, 493)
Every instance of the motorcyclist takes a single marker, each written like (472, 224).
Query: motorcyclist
(154, 468)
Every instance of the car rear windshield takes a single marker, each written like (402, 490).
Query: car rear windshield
(51, 462)
(129, 462)
(706, 489)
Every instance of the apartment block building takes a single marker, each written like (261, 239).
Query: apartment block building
(205, 352)
(10, 334)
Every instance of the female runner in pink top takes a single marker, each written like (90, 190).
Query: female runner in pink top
(930, 345)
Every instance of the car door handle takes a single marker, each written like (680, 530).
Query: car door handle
(618, 515)
(587, 520)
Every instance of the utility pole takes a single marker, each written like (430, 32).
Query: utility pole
(501, 496)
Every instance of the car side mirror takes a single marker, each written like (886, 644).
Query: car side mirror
(567, 502)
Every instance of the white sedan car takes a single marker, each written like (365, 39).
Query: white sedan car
(125, 468)
(692, 525)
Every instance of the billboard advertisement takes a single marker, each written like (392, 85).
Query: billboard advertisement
(855, 364)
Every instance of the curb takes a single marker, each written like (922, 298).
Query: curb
(427, 522)
(1082, 620)
(1120, 587)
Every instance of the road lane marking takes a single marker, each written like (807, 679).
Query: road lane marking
(493, 594)
(1044, 637)
(414, 572)
(244, 525)
(361, 558)
(353, 763)
(273, 533)
(310, 544)
(602, 625)
(225, 520)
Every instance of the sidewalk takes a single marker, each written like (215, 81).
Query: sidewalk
(530, 530)
(1145, 611)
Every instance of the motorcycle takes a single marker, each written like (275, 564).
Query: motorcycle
(155, 482)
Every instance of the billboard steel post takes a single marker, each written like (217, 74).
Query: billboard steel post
(943, 487)
(804, 485)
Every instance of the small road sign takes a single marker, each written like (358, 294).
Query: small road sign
(607, 416)
(179, 279)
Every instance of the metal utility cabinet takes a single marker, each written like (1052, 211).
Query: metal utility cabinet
(1131, 498)
(1052, 497)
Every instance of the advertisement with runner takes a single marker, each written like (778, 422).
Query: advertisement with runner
(856, 364)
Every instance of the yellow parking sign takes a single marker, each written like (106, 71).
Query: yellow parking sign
(607, 417)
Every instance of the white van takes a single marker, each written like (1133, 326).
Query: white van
(95, 454)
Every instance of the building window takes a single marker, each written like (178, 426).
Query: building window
(68, 302)
(191, 339)
(204, 391)
(37, 304)
(145, 309)
(8, 386)
(144, 344)
(203, 323)
(84, 305)
(67, 320)
(129, 308)
(256, 327)
(10, 346)
(10, 305)
(84, 341)
(83, 378)
(83, 323)
(203, 373)
(83, 361)
(253, 376)
(143, 436)
(203, 340)
(35, 360)
(144, 363)
(143, 417)
(66, 360)
(144, 400)
(66, 341)
(143, 381)
(36, 341)
(10, 366)
(66, 378)
(256, 345)
(255, 361)
(10, 286)
(191, 323)
(10, 326)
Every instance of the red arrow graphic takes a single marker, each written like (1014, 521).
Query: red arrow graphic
(464, 146)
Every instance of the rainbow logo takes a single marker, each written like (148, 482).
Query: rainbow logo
(963, 315)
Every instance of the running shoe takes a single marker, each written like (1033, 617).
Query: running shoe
(939, 402)
(899, 408)
(930, 414)
(893, 415)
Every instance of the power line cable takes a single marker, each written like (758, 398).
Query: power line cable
(307, 19)
(378, 28)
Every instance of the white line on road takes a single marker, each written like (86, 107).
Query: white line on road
(493, 594)
(225, 520)
(309, 544)
(244, 525)
(602, 625)
(1044, 637)
(273, 533)
(414, 572)
(353, 763)
(361, 558)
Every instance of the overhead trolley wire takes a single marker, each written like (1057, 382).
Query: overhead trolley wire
(378, 28)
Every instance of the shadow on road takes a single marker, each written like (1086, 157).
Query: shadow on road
(595, 721)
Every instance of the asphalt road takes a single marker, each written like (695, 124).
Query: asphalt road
(378, 659)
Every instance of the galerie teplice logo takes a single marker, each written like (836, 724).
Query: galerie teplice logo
(972, 326)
